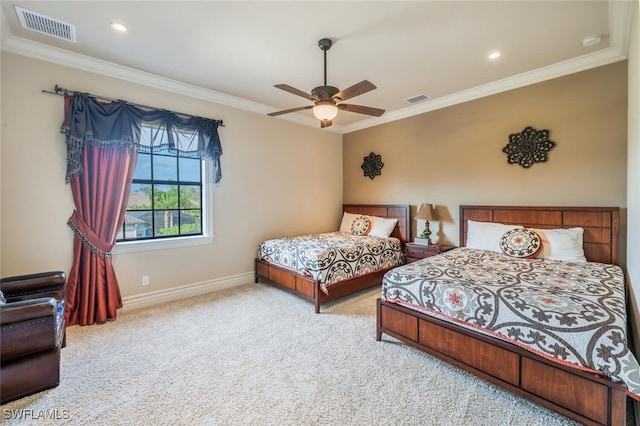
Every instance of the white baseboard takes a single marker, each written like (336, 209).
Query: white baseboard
(185, 291)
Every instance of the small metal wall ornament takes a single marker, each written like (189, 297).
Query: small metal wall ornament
(528, 147)
(372, 165)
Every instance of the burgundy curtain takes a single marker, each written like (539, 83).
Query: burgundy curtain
(100, 194)
(103, 140)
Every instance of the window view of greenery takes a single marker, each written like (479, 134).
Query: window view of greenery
(165, 199)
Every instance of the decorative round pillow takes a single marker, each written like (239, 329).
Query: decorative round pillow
(521, 242)
(360, 225)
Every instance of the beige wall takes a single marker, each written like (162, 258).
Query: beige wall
(277, 180)
(633, 176)
(453, 156)
(281, 178)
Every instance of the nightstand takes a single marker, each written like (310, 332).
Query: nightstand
(419, 251)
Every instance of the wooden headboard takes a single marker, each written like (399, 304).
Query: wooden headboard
(402, 231)
(601, 224)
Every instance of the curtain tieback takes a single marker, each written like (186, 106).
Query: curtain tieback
(88, 237)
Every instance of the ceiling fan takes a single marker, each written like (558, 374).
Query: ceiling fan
(326, 99)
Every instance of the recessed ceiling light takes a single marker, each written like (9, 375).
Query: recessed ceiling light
(591, 40)
(494, 55)
(119, 27)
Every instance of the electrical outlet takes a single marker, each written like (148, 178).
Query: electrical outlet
(145, 280)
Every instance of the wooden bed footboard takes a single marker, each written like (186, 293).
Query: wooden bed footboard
(588, 398)
(309, 289)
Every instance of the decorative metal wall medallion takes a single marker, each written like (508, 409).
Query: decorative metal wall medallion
(372, 165)
(528, 147)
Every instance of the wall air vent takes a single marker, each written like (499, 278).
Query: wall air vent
(417, 98)
(45, 25)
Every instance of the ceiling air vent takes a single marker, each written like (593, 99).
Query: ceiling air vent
(45, 25)
(417, 98)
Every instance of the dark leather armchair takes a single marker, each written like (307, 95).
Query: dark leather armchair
(32, 333)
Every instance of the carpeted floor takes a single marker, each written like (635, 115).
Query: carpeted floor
(254, 355)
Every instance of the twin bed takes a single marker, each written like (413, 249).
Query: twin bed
(323, 267)
(547, 321)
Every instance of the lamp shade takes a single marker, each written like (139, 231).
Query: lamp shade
(426, 212)
(325, 110)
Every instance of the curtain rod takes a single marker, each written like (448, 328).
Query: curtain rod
(60, 91)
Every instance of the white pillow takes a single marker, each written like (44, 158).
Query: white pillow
(381, 226)
(487, 235)
(347, 220)
(562, 244)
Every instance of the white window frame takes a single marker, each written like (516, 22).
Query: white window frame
(207, 236)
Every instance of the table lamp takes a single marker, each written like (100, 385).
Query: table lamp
(426, 213)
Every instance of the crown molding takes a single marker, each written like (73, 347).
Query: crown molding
(63, 57)
(582, 63)
(620, 25)
(35, 50)
(620, 20)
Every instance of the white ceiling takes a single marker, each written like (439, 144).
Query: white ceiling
(233, 52)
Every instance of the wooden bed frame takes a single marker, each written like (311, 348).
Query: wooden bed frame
(308, 288)
(588, 398)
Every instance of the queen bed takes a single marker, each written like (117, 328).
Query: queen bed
(544, 319)
(322, 267)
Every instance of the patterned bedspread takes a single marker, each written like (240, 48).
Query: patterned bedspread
(572, 313)
(334, 256)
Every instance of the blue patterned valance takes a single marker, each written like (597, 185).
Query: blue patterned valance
(93, 121)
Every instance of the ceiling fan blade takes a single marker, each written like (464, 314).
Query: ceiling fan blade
(361, 109)
(286, 111)
(356, 90)
(295, 91)
(325, 123)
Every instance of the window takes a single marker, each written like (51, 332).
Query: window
(166, 199)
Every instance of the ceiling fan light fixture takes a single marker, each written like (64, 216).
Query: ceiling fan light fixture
(325, 110)
(326, 98)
